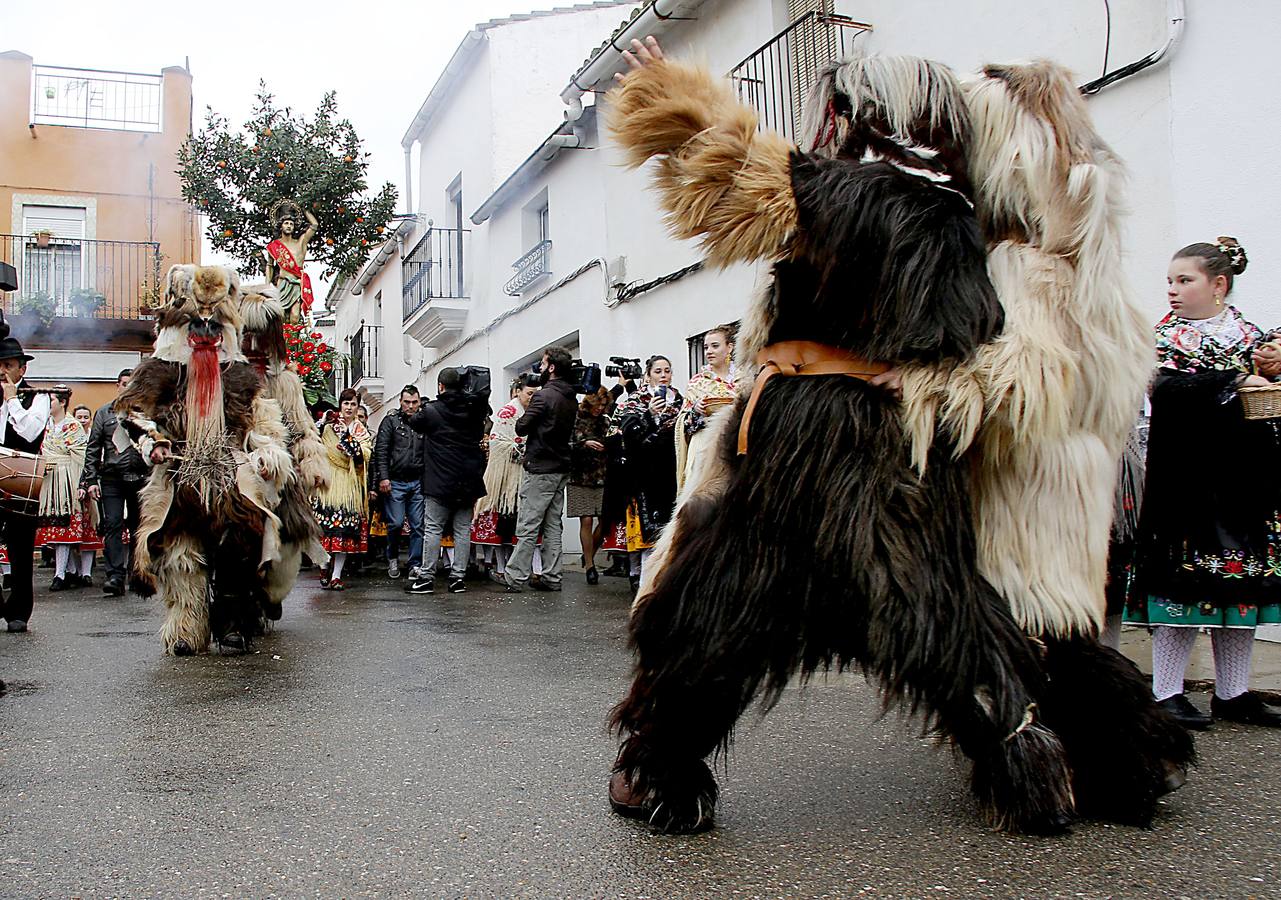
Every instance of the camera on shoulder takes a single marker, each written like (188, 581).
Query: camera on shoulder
(624, 367)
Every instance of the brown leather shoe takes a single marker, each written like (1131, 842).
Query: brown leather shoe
(623, 799)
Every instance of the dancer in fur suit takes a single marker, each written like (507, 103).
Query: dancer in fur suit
(264, 347)
(1046, 408)
(809, 540)
(197, 410)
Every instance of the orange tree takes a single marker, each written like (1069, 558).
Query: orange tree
(235, 177)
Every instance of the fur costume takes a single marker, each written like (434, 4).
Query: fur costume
(1046, 408)
(821, 546)
(211, 507)
(264, 347)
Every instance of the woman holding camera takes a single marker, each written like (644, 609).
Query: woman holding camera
(646, 424)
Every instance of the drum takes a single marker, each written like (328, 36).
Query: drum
(21, 477)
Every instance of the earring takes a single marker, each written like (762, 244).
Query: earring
(1218, 299)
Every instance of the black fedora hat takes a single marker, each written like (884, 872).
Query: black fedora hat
(10, 348)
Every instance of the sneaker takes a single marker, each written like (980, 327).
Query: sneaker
(415, 573)
(1247, 708)
(456, 586)
(421, 586)
(393, 568)
(1188, 715)
(17, 625)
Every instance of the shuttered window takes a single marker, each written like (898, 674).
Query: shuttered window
(67, 222)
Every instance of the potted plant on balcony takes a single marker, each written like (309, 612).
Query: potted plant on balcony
(43, 236)
(39, 304)
(86, 301)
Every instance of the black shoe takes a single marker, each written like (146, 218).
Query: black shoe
(182, 648)
(539, 584)
(421, 586)
(456, 586)
(113, 588)
(634, 581)
(1188, 715)
(593, 577)
(86, 581)
(59, 584)
(16, 626)
(1247, 708)
(234, 641)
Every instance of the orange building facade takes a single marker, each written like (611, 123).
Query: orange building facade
(91, 213)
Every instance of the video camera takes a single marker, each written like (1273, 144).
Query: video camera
(624, 367)
(585, 377)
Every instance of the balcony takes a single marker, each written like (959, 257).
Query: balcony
(87, 292)
(776, 79)
(434, 300)
(92, 98)
(529, 268)
(366, 374)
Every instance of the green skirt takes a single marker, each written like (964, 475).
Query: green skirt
(1202, 615)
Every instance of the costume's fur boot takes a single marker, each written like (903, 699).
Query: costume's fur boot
(898, 594)
(1125, 751)
(180, 576)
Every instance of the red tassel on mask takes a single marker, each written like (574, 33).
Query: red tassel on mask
(205, 375)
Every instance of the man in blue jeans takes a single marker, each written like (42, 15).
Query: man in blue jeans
(398, 472)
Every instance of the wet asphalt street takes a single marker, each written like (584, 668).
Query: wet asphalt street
(380, 744)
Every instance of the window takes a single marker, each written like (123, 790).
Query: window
(58, 267)
(454, 193)
(697, 359)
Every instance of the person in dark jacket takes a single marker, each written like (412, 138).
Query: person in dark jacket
(114, 478)
(397, 473)
(547, 427)
(453, 475)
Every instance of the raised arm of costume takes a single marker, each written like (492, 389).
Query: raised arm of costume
(29, 423)
(718, 178)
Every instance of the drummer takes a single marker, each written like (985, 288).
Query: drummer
(22, 426)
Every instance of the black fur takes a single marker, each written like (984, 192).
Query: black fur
(1122, 747)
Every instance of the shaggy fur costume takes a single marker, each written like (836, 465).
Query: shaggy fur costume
(824, 547)
(264, 347)
(210, 509)
(1046, 408)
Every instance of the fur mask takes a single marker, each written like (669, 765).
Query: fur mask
(263, 343)
(201, 310)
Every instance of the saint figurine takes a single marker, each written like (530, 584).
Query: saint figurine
(285, 257)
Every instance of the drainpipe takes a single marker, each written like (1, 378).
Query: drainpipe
(1174, 30)
(558, 142)
(409, 180)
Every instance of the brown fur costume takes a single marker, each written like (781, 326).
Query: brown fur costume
(210, 508)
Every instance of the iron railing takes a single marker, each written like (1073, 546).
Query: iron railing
(83, 279)
(364, 353)
(91, 98)
(776, 78)
(529, 268)
(433, 268)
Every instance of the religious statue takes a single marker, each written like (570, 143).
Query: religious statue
(285, 257)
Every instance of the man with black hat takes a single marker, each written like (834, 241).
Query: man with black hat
(22, 424)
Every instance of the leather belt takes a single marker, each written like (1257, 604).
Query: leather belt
(803, 358)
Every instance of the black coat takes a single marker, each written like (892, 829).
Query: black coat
(453, 428)
(548, 428)
(398, 450)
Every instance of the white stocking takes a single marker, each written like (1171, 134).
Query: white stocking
(1110, 636)
(338, 559)
(1233, 648)
(1171, 650)
(61, 556)
(86, 563)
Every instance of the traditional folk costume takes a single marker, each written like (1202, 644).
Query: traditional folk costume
(831, 529)
(342, 508)
(1209, 544)
(208, 534)
(691, 427)
(66, 523)
(648, 471)
(493, 528)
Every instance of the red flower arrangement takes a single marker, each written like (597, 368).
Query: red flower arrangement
(314, 361)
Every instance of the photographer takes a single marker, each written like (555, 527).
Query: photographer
(646, 423)
(453, 474)
(547, 427)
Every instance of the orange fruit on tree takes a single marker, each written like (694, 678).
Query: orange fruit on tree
(280, 165)
(329, 241)
(222, 164)
(227, 232)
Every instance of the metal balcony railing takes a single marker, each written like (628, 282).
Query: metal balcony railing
(92, 98)
(433, 268)
(364, 353)
(532, 265)
(776, 78)
(83, 279)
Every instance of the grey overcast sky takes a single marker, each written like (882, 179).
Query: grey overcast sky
(381, 58)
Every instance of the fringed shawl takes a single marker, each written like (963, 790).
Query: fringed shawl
(64, 452)
(348, 456)
(503, 470)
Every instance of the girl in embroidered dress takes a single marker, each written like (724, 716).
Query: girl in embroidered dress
(1209, 541)
(342, 509)
(646, 424)
(493, 529)
(62, 521)
(711, 389)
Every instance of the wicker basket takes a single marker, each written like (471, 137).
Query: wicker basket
(1261, 402)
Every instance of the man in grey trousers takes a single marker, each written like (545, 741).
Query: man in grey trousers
(547, 426)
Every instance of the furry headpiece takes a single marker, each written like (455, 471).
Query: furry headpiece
(904, 109)
(264, 327)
